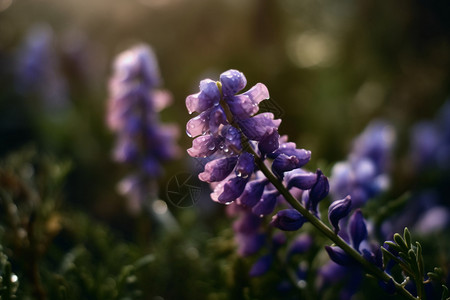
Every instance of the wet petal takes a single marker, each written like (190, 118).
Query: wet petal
(218, 169)
(269, 142)
(253, 192)
(208, 96)
(267, 204)
(203, 146)
(357, 228)
(245, 165)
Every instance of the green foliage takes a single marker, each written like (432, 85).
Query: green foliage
(410, 259)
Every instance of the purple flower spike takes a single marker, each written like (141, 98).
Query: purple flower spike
(358, 229)
(339, 256)
(232, 81)
(300, 179)
(261, 266)
(253, 192)
(269, 142)
(267, 204)
(219, 169)
(288, 220)
(208, 96)
(339, 209)
(320, 189)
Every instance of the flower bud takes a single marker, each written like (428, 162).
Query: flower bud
(339, 209)
(288, 220)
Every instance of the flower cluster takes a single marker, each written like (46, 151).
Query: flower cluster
(240, 143)
(364, 174)
(134, 103)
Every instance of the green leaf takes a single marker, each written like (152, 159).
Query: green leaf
(407, 237)
(420, 262)
(445, 294)
(394, 246)
(399, 240)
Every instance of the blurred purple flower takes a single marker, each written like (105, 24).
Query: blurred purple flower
(133, 107)
(365, 173)
(38, 69)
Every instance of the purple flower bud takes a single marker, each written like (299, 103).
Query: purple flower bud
(288, 220)
(232, 81)
(218, 169)
(245, 105)
(339, 256)
(267, 204)
(358, 230)
(255, 128)
(300, 179)
(302, 155)
(339, 209)
(284, 163)
(261, 266)
(229, 189)
(301, 244)
(320, 189)
(208, 96)
(269, 142)
(253, 192)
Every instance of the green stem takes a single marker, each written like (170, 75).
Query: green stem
(324, 229)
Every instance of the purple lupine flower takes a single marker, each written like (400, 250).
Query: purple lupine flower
(133, 107)
(365, 173)
(229, 131)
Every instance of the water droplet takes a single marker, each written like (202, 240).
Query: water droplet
(188, 133)
(212, 147)
(261, 216)
(228, 203)
(226, 150)
(238, 174)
